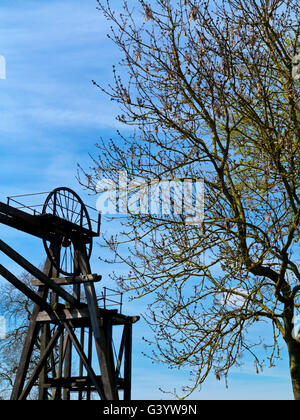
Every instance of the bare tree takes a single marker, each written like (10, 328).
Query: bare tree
(208, 88)
(17, 309)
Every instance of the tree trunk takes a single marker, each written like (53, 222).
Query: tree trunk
(294, 355)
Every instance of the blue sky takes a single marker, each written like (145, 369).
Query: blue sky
(51, 118)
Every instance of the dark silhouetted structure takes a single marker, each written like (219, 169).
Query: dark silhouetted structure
(72, 334)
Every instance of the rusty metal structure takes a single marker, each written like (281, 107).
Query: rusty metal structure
(71, 331)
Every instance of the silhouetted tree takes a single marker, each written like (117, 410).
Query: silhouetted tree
(16, 309)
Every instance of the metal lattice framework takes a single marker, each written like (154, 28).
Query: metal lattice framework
(67, 325)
